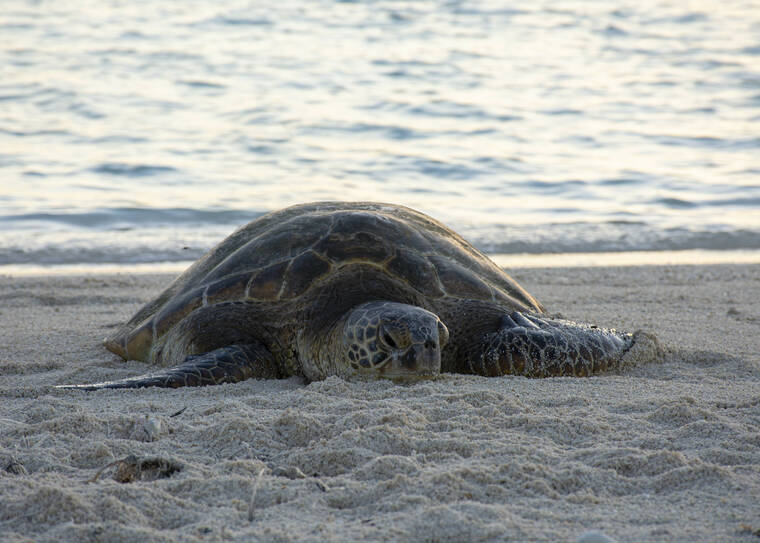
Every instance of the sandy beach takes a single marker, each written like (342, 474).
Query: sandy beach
(659, 452)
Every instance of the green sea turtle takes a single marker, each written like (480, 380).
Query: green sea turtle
(354, 289)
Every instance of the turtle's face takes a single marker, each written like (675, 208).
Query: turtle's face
(394, 341)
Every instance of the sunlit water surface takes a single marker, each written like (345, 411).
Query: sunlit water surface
(140, 132)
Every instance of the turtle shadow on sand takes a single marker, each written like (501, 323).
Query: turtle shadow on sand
(356, 290)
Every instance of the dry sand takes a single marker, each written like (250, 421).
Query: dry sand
(660, 452)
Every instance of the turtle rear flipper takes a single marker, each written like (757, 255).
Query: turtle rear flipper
(225, 365)
(542, 347)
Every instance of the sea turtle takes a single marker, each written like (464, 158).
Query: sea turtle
(353, 289)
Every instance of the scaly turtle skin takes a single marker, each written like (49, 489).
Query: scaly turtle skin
(352, 289)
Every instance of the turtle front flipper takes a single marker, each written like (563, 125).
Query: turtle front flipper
(542, 347)
(225, 365)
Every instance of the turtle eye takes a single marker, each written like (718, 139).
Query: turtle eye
(388, 340)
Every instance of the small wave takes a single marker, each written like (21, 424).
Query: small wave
(436, 169)
(739, 202)
(394, 132)
(614, 30)
(261, 149)
(682, 203)
(11, 97)
(34, 133)
(173, 55)
(182, 241)
(131, 170)
(410, 63)
(621, 181)
(568, 187)
(502, 165)
(443, 108)
(118, 138)
(675, 203)
(128, 217)
(691, 18)
(612, 236)
(201, 84)
(53, 255)
(233, 20)
(562, 112)
(686, 18)
(710, 142)
(243, 21)
(462, 8)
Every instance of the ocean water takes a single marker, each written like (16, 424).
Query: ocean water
(135, 132)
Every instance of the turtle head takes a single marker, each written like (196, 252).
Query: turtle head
(393, 340)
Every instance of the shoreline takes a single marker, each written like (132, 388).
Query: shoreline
(665, 451)
(690, 257)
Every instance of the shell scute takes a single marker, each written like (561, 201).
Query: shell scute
(177, 309)
(305, 269)
(456, 250)
(279, 242)
(350, 221)
(390, 226)
(354, 246)
(139, 341)
(267, 283)
(459, 281)
(232, 287)
(417, 271)
(505, 298)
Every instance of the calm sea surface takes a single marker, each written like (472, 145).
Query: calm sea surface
(145, 131)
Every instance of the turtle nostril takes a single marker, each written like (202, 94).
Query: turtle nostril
(430, 344)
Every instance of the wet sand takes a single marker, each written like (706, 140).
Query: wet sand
(658, 452)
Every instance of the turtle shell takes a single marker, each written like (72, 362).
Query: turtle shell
(282, 256)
